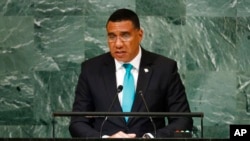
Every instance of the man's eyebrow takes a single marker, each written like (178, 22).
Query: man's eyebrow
(122, 32)
(111, 33)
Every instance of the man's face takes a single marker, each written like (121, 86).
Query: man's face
(123, 40)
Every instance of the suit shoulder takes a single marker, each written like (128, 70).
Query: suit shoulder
(100, 59)
(160, 58)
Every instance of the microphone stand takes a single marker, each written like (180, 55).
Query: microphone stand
(151, 119)
(119, 89)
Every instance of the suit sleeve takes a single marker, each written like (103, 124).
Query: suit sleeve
(176, 101)
(81, 126)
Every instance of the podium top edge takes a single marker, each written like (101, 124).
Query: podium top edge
(137, 114)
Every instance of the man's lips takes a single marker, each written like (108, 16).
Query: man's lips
(120, 53)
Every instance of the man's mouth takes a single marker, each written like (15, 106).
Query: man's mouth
(120, 53)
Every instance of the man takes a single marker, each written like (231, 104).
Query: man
(153, 76)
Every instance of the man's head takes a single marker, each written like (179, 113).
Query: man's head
(124, 15)
(124, 34)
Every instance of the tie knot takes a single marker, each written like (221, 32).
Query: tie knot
(128, 67)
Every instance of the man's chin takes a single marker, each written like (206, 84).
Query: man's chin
(120, 59)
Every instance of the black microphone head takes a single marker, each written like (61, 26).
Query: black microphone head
(140, 92)
(119, 88)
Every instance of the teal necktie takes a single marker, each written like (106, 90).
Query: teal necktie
(128, 89)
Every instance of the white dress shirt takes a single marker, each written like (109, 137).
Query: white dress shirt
(120, 72)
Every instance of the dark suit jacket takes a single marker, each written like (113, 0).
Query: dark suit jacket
(161, 86)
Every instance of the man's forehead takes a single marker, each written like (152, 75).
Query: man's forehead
(120, 24)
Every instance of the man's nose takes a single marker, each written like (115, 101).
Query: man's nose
(118, 42)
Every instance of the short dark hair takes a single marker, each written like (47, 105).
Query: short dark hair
(123, 15)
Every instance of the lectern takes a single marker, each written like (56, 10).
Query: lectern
(130, 114)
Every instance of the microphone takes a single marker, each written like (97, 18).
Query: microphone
(118, 90)
(145, 104)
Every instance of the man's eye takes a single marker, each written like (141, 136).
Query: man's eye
(111, 36)
(126, 35)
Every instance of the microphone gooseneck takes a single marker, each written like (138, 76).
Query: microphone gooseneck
(118, 90)
(146, 106)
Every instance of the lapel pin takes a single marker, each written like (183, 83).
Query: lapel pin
(146, 70)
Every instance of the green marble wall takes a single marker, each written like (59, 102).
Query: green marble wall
(43, 42)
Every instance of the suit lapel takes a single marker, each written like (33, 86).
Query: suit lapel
(145, 74)
(109, 80)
